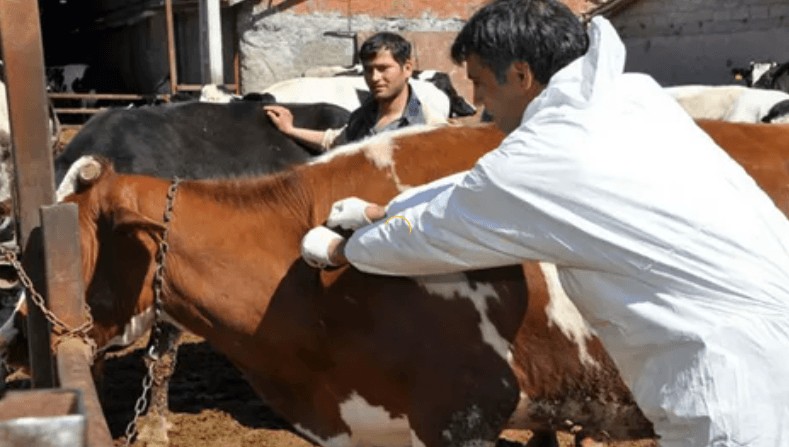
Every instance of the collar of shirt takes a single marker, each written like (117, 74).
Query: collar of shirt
(412, 114)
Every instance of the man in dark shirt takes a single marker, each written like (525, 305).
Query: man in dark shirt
(387, 63)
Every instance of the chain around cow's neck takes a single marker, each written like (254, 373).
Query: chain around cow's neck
(158, 276)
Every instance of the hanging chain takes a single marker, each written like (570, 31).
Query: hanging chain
(59, 327)
(156, 332)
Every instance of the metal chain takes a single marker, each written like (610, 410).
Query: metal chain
(59, 327)
(158, 280)
(140, 406)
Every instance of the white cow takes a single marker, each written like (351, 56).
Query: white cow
(726, 102)
(350, 91)
(325, 71)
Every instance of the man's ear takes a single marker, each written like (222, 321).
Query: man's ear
(524, 74)
(408, 66)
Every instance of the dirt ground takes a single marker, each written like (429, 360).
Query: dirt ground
(210, 403)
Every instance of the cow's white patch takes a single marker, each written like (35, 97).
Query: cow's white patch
(133, 329)
(374, 425)
(520, 417)
(563, 313)
(426, 75)
(415, 441)
(137, 326)
(369, 426)
(374, 142)
(69, 183)
(456, 285)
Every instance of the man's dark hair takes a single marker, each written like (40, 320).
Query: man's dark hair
(395, 43)
(543, 33)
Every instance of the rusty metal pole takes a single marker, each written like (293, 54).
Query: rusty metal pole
(171, 55)
(20, 37)
(63, 268)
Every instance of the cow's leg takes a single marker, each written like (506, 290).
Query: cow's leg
(471, 409)
(154, 430)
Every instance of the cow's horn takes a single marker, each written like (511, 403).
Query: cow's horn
(89, 172)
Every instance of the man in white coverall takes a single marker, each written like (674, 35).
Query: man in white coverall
(666, 245)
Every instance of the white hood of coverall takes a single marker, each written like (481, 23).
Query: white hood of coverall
(669, 249)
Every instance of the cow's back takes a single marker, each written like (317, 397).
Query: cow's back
(762, 149)
(196, 140)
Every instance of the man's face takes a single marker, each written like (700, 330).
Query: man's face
(385, 77)
(505, 102)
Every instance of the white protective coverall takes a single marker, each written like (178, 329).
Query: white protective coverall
(673, 254)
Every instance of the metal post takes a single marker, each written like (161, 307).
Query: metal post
(60, 231)
(20, 37)
(211, 42)
(171, 55)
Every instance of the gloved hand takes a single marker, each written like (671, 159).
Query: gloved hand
(348, 214)
(315, 246)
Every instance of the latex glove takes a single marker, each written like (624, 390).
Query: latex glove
(315, 246)
(348, 214)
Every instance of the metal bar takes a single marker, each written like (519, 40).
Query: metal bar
(171, 56)
(74, 371)
(76, 111)
(210, 19)
(236, 54)
(63, 266)
(20, 37)
(96, 96)
(198, 87)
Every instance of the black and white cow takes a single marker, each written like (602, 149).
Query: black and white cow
(766, 75)
(67, 78)
(779, 113)
(734, 103)
(458, 106)
(196, 139)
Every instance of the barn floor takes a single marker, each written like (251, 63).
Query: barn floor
(211, 404)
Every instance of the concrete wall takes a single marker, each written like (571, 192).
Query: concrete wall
(700, 41)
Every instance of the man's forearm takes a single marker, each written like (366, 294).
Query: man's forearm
(314, 138)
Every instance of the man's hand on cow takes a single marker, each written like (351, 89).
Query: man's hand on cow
(281, 117)
(322, 247)
(353, 213)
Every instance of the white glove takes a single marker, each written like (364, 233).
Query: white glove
(315, 246)
(348, 214)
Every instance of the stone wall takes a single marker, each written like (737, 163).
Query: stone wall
(280, 39)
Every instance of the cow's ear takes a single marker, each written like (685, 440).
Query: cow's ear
(128, 220)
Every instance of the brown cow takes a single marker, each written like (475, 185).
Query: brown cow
(351, 358)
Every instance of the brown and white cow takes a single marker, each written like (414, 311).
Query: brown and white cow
(356, 359)
(352, 359)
